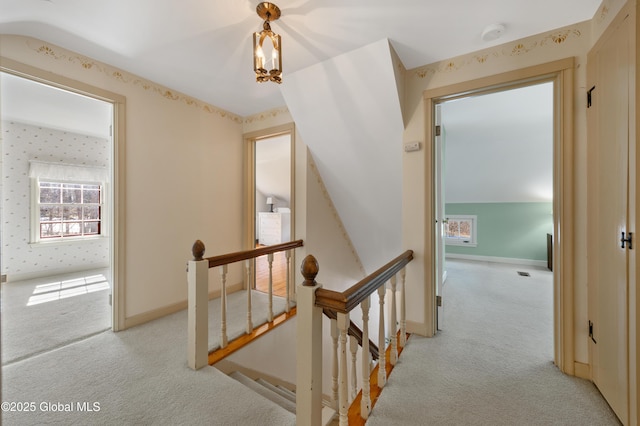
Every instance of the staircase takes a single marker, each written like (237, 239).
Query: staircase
(279, 395)
(353, 391)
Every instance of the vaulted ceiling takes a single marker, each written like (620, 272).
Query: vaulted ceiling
(340, 59)
(203, 48)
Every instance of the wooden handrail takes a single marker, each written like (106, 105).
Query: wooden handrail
(345, 301)
(355, 331)
(225, 259)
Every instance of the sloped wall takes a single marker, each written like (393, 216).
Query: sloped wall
(347, 109)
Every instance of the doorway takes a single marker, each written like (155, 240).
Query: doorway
(72, 136)
(560, 73)
(270, 202)
(57, 209)
(494, 157)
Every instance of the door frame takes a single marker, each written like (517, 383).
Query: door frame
(117, 170)
(249, 153)
(439, 215)
(561, 74)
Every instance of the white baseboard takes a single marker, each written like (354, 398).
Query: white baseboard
(53, 272)
(524, 262)
(144, 317)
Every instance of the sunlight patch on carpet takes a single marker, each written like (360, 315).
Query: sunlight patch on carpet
(63, 289)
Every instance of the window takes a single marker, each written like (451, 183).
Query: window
(460, 230)
(67, 201)
(69, 209)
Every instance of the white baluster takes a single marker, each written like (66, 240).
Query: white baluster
(247, 265)
(334, 363)
(365, 403)
(343, 393)
(393, 356)
(382, 368)
(223, 307)
(270, 260)
(403, 309)
(353, 346)
(287, 255)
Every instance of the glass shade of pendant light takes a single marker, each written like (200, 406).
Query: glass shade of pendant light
(267, 69)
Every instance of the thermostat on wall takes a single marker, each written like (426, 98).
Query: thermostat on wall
(412, 146)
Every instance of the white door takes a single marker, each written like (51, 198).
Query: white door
(440, 218)
(608, 151)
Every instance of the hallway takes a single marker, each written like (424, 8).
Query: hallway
(492, 361)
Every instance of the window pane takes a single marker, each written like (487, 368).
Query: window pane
(452, 230)
(91, 196)
(50, 213)
(91, 228)
(465, 229)
(72, 228)
(49, 192)
(72, 212)
(91, 212)
(50, 230)
(71, 193)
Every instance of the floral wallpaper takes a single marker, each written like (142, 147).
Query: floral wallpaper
(24, 142)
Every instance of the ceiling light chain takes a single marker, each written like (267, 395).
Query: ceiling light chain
(267, 70)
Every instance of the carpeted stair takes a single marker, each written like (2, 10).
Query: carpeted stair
(277, 394)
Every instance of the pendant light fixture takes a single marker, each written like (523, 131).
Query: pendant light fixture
(267, 69)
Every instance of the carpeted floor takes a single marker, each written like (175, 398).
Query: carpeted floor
(492, 362)
(137, 376)
(46, 313)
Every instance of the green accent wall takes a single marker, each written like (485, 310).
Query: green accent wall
(514, 230)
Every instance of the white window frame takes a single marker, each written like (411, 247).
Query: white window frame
(69, 174)
(463, 242)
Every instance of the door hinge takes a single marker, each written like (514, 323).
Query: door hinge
(439, 300)
(629, 240)
(590, 97)
(591, 332)
(110, 299)
(438, 130)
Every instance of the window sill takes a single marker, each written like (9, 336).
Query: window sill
(67, 241)
(460, 244)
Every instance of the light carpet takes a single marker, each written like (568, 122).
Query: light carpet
(45, 313)
(137, 376)
(492, 362)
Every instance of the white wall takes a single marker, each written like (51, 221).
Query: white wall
(20, 144)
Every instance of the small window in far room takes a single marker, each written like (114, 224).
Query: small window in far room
(68, 210)
(460, 230)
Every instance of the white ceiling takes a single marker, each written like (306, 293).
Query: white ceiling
(34, 103)
(499, 147)
(203, 48)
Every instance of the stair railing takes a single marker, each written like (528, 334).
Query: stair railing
(198, 294)
(312, 299)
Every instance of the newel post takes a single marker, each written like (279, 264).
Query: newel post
(309, 348)
(198, 299)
